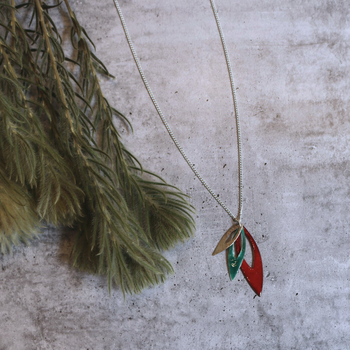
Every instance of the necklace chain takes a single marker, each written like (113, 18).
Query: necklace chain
(167, 126)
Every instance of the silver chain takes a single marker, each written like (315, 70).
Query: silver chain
(176, 142)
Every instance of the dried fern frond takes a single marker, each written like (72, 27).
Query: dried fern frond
(59, 144)
(18, 221)
(29, 156)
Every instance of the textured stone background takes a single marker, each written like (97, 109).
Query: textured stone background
(291, 64)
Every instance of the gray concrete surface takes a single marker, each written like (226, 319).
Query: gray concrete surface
(291, 64)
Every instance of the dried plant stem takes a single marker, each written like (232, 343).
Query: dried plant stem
(62, 156)
(54, 66)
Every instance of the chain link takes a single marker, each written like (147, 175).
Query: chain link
(167, 126)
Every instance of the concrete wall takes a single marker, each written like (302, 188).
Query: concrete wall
(291, 67)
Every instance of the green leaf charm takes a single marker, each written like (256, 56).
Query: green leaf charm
(234, 263)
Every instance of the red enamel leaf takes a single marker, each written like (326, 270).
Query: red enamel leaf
(253, 274)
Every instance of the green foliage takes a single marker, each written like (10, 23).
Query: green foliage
(18, 220)
(62, 160)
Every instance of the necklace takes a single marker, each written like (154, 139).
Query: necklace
(236, 235)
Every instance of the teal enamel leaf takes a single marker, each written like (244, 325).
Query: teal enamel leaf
(234, 263)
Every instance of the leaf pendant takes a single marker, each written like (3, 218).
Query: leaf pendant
(233, 262)
(253, 274)
(228, 238)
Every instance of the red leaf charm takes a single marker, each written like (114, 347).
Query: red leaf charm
(253, 274)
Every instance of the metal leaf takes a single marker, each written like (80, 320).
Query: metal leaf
(253, 274)
(234, 263)
(228, 238)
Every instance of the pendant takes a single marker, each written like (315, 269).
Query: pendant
(234, 263)
(228, 238)
(234, 242)
(253, 274)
